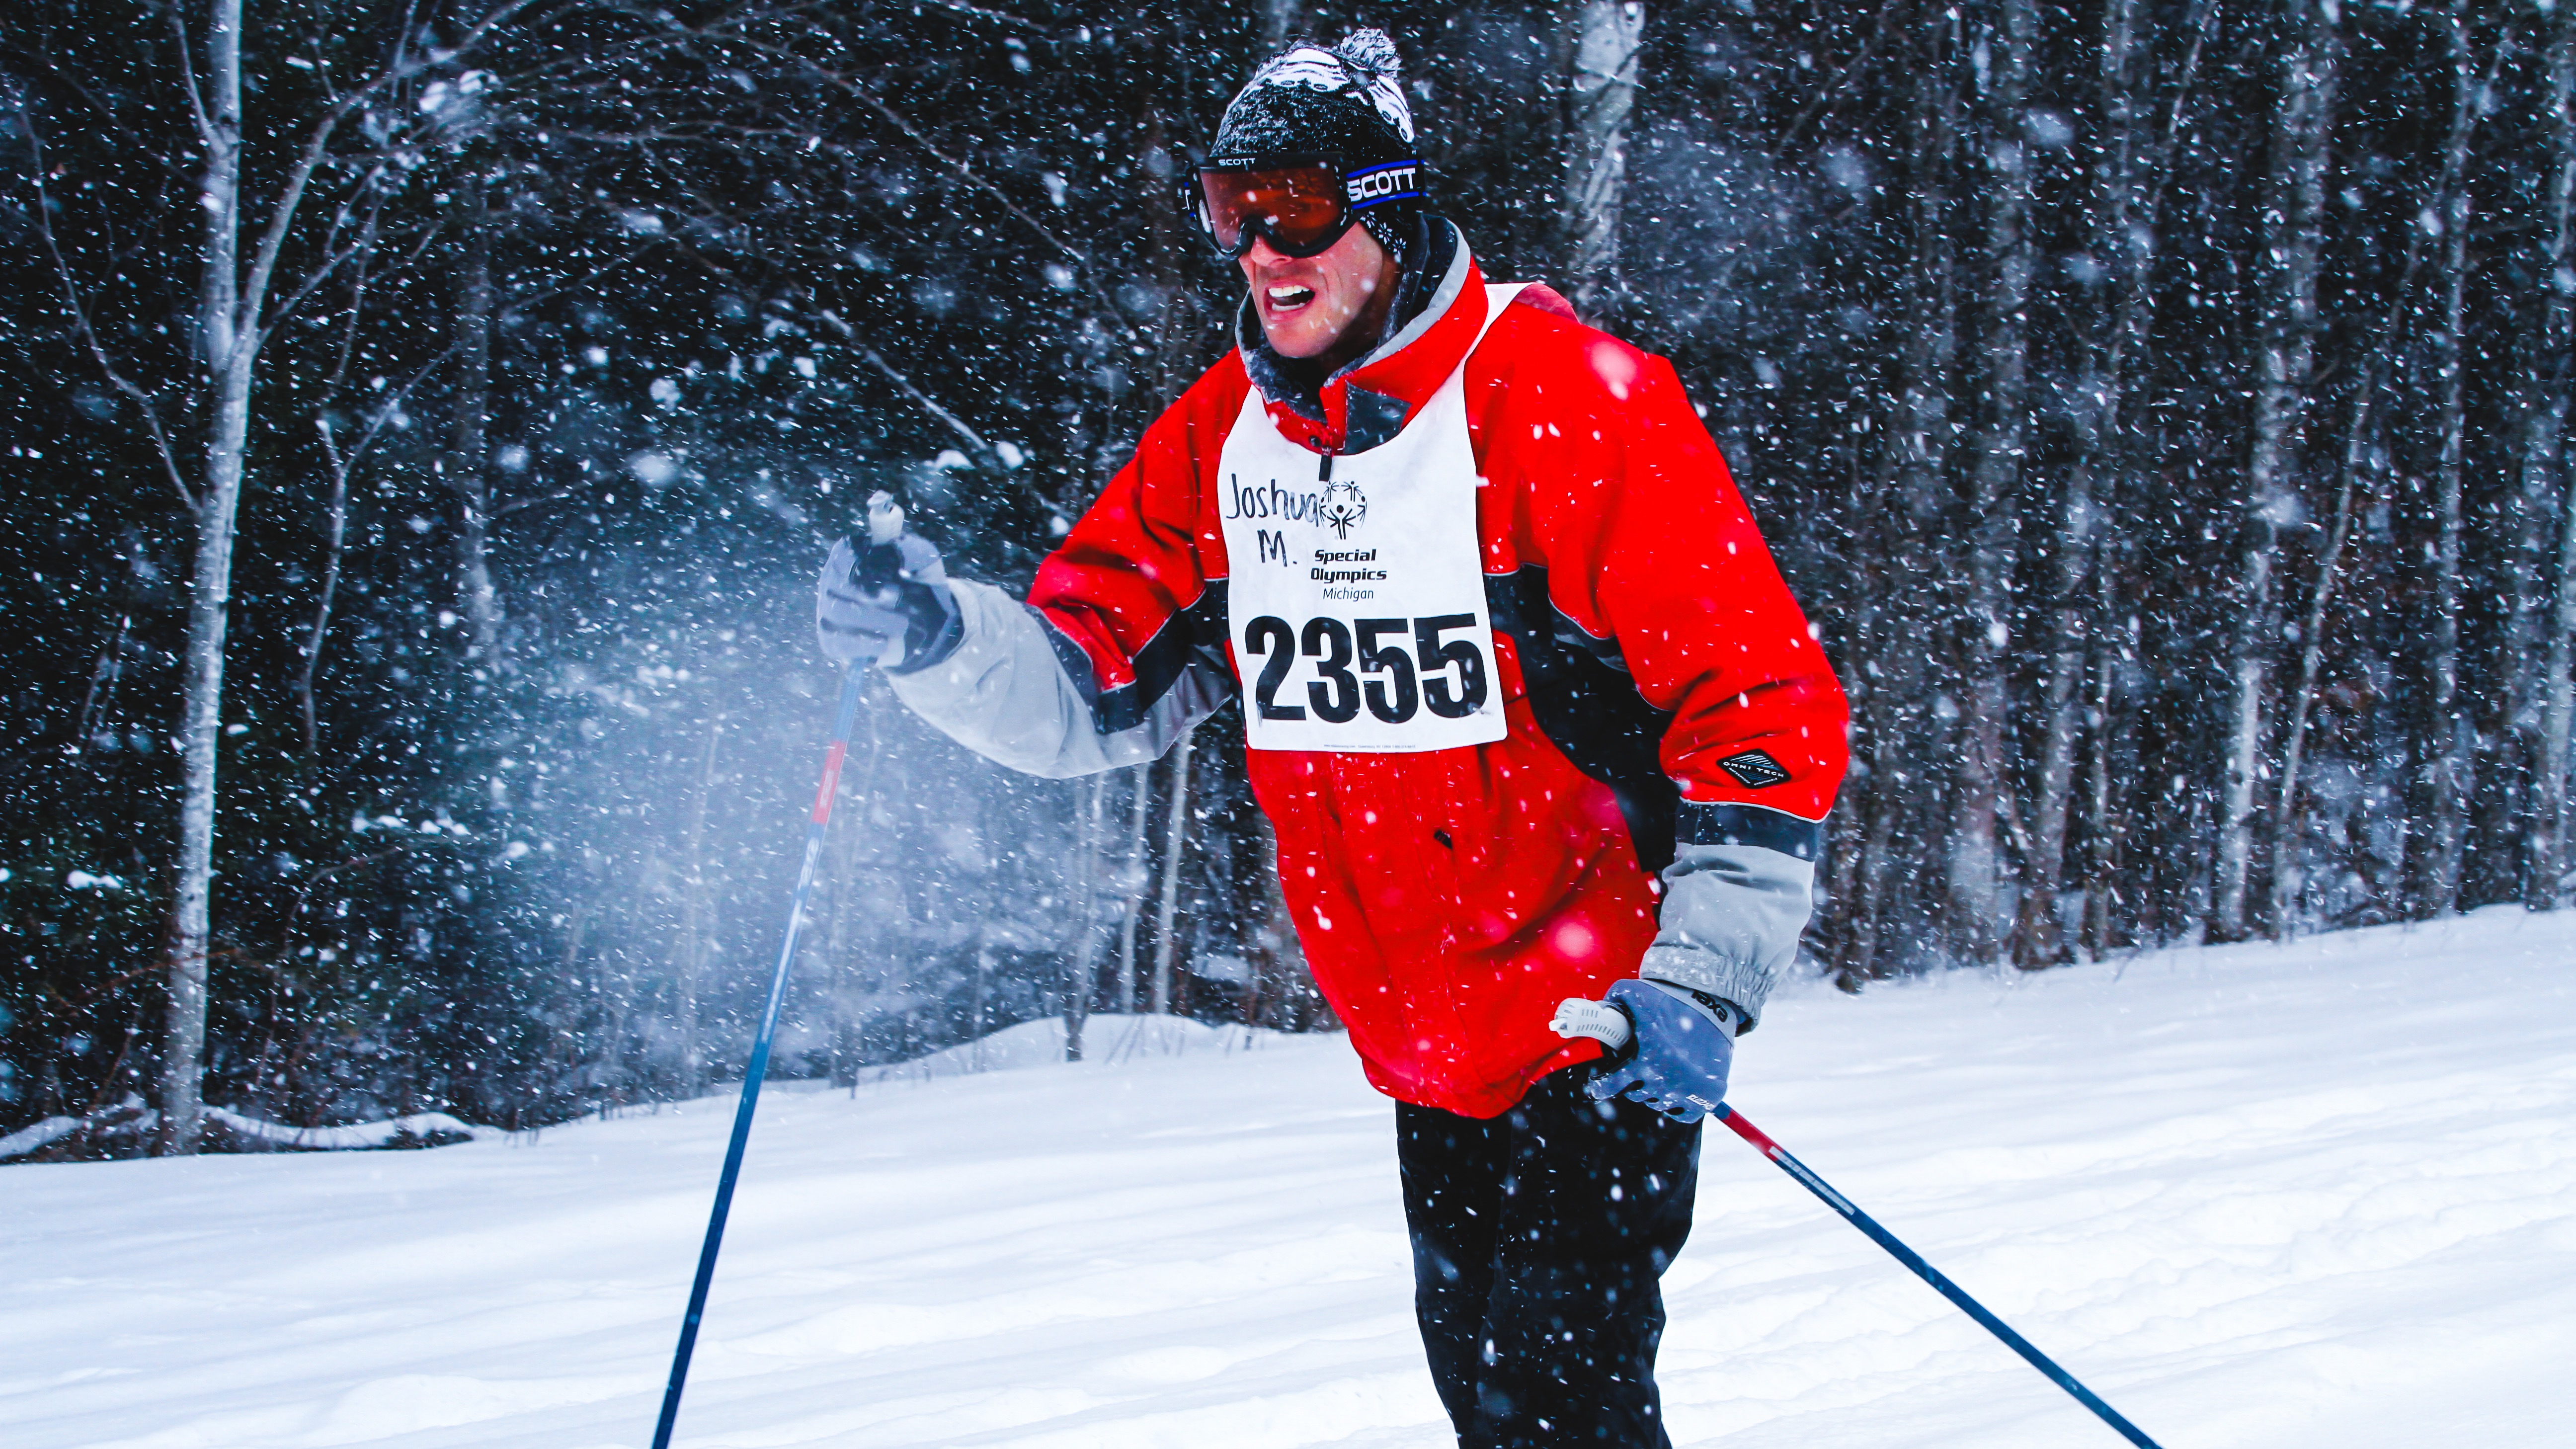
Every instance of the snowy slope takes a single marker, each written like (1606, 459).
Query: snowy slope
(2316, 1195)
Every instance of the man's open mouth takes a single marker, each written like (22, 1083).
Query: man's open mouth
(1290, 296)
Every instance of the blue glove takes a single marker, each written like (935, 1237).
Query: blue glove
(893, 588)
(1677, 1058)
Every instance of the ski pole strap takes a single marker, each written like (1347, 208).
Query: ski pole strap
(758, 1067)
(1807, 1179)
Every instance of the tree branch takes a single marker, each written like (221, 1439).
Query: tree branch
(44, 217)
(1833, 87)
(963, 171)
(979, 12)
(247, 329)
(503, 510)
(188, 73)
(974, 440)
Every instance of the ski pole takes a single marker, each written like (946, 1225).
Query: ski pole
(1610, 1026)
(758, 1067)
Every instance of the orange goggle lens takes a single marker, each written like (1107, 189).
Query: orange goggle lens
(1299, 210)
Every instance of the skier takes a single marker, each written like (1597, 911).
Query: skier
(1525, 698)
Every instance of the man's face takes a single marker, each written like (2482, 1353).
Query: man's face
(1307, 305)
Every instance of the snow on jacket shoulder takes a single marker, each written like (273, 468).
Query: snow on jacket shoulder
(1675, 735)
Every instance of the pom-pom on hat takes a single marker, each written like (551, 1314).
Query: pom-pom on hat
(1311, 99)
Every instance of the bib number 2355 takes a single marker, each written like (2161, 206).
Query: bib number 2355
(1395, 667)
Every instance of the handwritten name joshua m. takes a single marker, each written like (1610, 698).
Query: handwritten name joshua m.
(1269, 500)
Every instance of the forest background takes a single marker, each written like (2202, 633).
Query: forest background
(422, 421)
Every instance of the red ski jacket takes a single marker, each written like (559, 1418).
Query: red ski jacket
(1669, 710)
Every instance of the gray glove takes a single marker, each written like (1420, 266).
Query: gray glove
(888, 600)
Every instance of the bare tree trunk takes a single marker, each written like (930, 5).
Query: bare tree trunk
(1890, 677)
(983, 988)
(1975, 862)
(2446, 759)
(2288, 871)
(2102, 839)
(469, 454)
(1606, 37)
(2038, 939)
(2136, 172)
(2294, 237)
(2544, 439)
(100, 696)
(1286, 992)
(1923, 450)
(1175, 842)
(845, 883)
(839, 945)
(335, 530)
(335, 534)
(227, 343)
(2288, 883)
(2511, 749)
(1131, 883)
(229, 330)
(1086, 906)
(2119, 184)
(619, 958)
(1889, 688)
(1854, 856)
(692, 953)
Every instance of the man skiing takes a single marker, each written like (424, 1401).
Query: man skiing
(1525, 699)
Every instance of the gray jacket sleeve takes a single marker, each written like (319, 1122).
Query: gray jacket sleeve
(1732, 916)
(1005, 692)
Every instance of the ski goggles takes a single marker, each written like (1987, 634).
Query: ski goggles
(1301, 205)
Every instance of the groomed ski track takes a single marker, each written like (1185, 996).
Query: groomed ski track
(2322, 1194)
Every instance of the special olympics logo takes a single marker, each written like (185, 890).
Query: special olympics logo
(1343, 506)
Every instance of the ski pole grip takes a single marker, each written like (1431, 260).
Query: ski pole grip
(1598, 1020)
(885, 518)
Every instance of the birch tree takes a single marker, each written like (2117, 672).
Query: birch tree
(469, 458)
(1082, 961)
(281, 206)
(1895, 679)
(2544, 398)
(1604, 90)
(1131, 881)
(1994, 475)
(2293, 239)
(2446, 758)
(2361, 436)
(2133, 157)
(1167, 899)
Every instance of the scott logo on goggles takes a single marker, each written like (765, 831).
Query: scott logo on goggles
(1383, 183)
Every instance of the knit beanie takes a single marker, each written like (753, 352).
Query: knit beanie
(1344, 100)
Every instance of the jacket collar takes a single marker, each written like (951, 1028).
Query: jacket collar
(1370, 401)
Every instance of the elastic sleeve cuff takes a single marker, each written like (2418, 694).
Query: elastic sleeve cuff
(1725, 1014)
(1742, 985)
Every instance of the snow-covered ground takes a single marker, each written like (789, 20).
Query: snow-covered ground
(2321, 1195)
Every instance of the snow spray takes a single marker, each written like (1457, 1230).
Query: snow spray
(815, 827)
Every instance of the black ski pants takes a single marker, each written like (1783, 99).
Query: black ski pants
(1538, 1239)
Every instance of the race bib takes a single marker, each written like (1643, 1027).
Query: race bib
(1357, 596)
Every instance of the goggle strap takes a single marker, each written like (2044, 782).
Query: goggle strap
(1387, 181)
